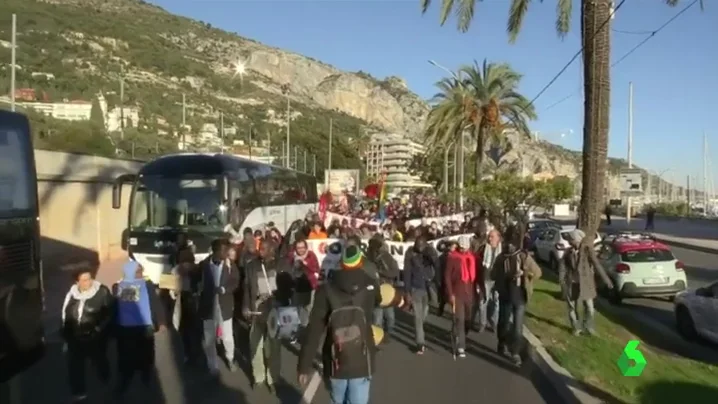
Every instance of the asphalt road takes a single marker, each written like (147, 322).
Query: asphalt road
(434, 377)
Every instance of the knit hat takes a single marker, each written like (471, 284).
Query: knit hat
(577, 236)
(464, 242)
(352, 258)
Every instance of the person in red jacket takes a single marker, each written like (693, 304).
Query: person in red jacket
(460, 284)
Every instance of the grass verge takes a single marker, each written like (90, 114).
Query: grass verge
(592, 360)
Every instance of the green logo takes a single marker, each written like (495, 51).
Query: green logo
(631, 354)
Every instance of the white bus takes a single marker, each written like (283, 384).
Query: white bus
(203, 196)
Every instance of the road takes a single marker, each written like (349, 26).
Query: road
(435, 377)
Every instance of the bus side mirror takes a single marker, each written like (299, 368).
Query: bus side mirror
(116, 195)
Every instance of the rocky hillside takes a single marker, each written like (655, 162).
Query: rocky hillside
(73, 49)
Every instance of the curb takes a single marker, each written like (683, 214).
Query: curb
(707, 250)
(565, 385)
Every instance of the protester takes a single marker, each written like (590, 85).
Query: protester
(305, 268)
(188, 324)
(460, 284)
(139, 315)
(259, 282)
(513, 272)
(220, 279)
(420, 263)
(87, 313)
(387, 273)
(488, 305)
(576, 274)
(442, 297)
(317, 233)
(343, 310)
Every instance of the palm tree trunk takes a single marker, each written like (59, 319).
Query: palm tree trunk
(480, 134)
(596, 38)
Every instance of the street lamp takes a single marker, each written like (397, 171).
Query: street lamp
(461, 147)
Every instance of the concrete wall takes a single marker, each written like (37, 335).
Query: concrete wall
(78, 224)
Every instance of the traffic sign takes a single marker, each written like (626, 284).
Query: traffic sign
(631, 182)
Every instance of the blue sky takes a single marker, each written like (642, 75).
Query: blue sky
(674, 73)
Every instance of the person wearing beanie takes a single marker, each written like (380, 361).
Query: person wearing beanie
(342, 314)
(420, 264)
(576, 271)
(514, 271)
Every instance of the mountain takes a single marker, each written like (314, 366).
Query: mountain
(75, 49)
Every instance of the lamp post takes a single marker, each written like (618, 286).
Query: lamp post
(461, 140)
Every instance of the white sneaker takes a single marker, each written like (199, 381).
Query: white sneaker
(462, 353)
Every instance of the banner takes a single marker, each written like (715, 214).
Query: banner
(329, 261)
(441, 220)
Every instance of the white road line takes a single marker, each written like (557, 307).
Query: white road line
(311, 389)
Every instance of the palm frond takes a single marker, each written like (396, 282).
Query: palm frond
(564, 8)
(425, 4)
(517, 13)
(465, 14)
(446, 7)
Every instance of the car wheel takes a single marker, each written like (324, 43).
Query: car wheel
(684, 323)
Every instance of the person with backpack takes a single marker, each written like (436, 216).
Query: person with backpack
(342, 310)
(460, 284)
(387, 272)
(514, 271)
(420, 263)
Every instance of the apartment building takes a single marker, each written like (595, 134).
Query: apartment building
(392, 154)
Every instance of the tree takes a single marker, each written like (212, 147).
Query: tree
(513, 195)
(482, 101)
(596, 49)
(96, 116)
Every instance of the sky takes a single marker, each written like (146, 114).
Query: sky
(674, 74)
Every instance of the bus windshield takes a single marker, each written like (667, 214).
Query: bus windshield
(17, 183)
(165, 202)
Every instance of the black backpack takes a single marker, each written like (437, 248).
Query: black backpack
(348, 329)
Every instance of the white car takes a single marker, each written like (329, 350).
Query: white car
(641, 267)
(550, 245)
(696, 313)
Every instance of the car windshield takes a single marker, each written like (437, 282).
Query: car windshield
(647, 255)
(164, 202)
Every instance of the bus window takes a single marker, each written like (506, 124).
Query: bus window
(16, 182)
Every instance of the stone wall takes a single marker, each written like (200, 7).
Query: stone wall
(78, 224)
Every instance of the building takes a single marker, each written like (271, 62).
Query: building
(392, 154)
(69, 111)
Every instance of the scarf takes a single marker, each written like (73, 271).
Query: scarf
(490, 255)
(81, 297)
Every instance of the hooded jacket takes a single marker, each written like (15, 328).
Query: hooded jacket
(347, 283)
(505, 279)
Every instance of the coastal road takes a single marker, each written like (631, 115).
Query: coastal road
(434, 377)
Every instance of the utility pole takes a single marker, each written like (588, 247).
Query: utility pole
(296, 158)
(250, 141)
(445, 186)
(314, 165)
(461, 174)
(688, 195)
(221, 130)
(285, 90)
(13, 55)
(184, 123)
(630, 147)
(122, 101)
(305, 161)
(284, 156)
(331, 139)
(705, 173)
(269, 149)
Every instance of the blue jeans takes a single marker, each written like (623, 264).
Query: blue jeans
(510, 333)
(350, 391)
(385, 318)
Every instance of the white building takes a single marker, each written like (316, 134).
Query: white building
(69, 111)
(392, 154)
(115, 116)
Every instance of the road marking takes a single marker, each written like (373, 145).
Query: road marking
(312, 388)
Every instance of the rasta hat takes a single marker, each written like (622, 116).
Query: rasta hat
(352, 258)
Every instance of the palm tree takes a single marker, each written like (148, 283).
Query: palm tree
(497, 105)
(481, 100)
(596, 45)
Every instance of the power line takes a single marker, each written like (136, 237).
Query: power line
(573, 59)
(650, 34)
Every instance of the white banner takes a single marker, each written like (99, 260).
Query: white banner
(329, 261)
(354, 222)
